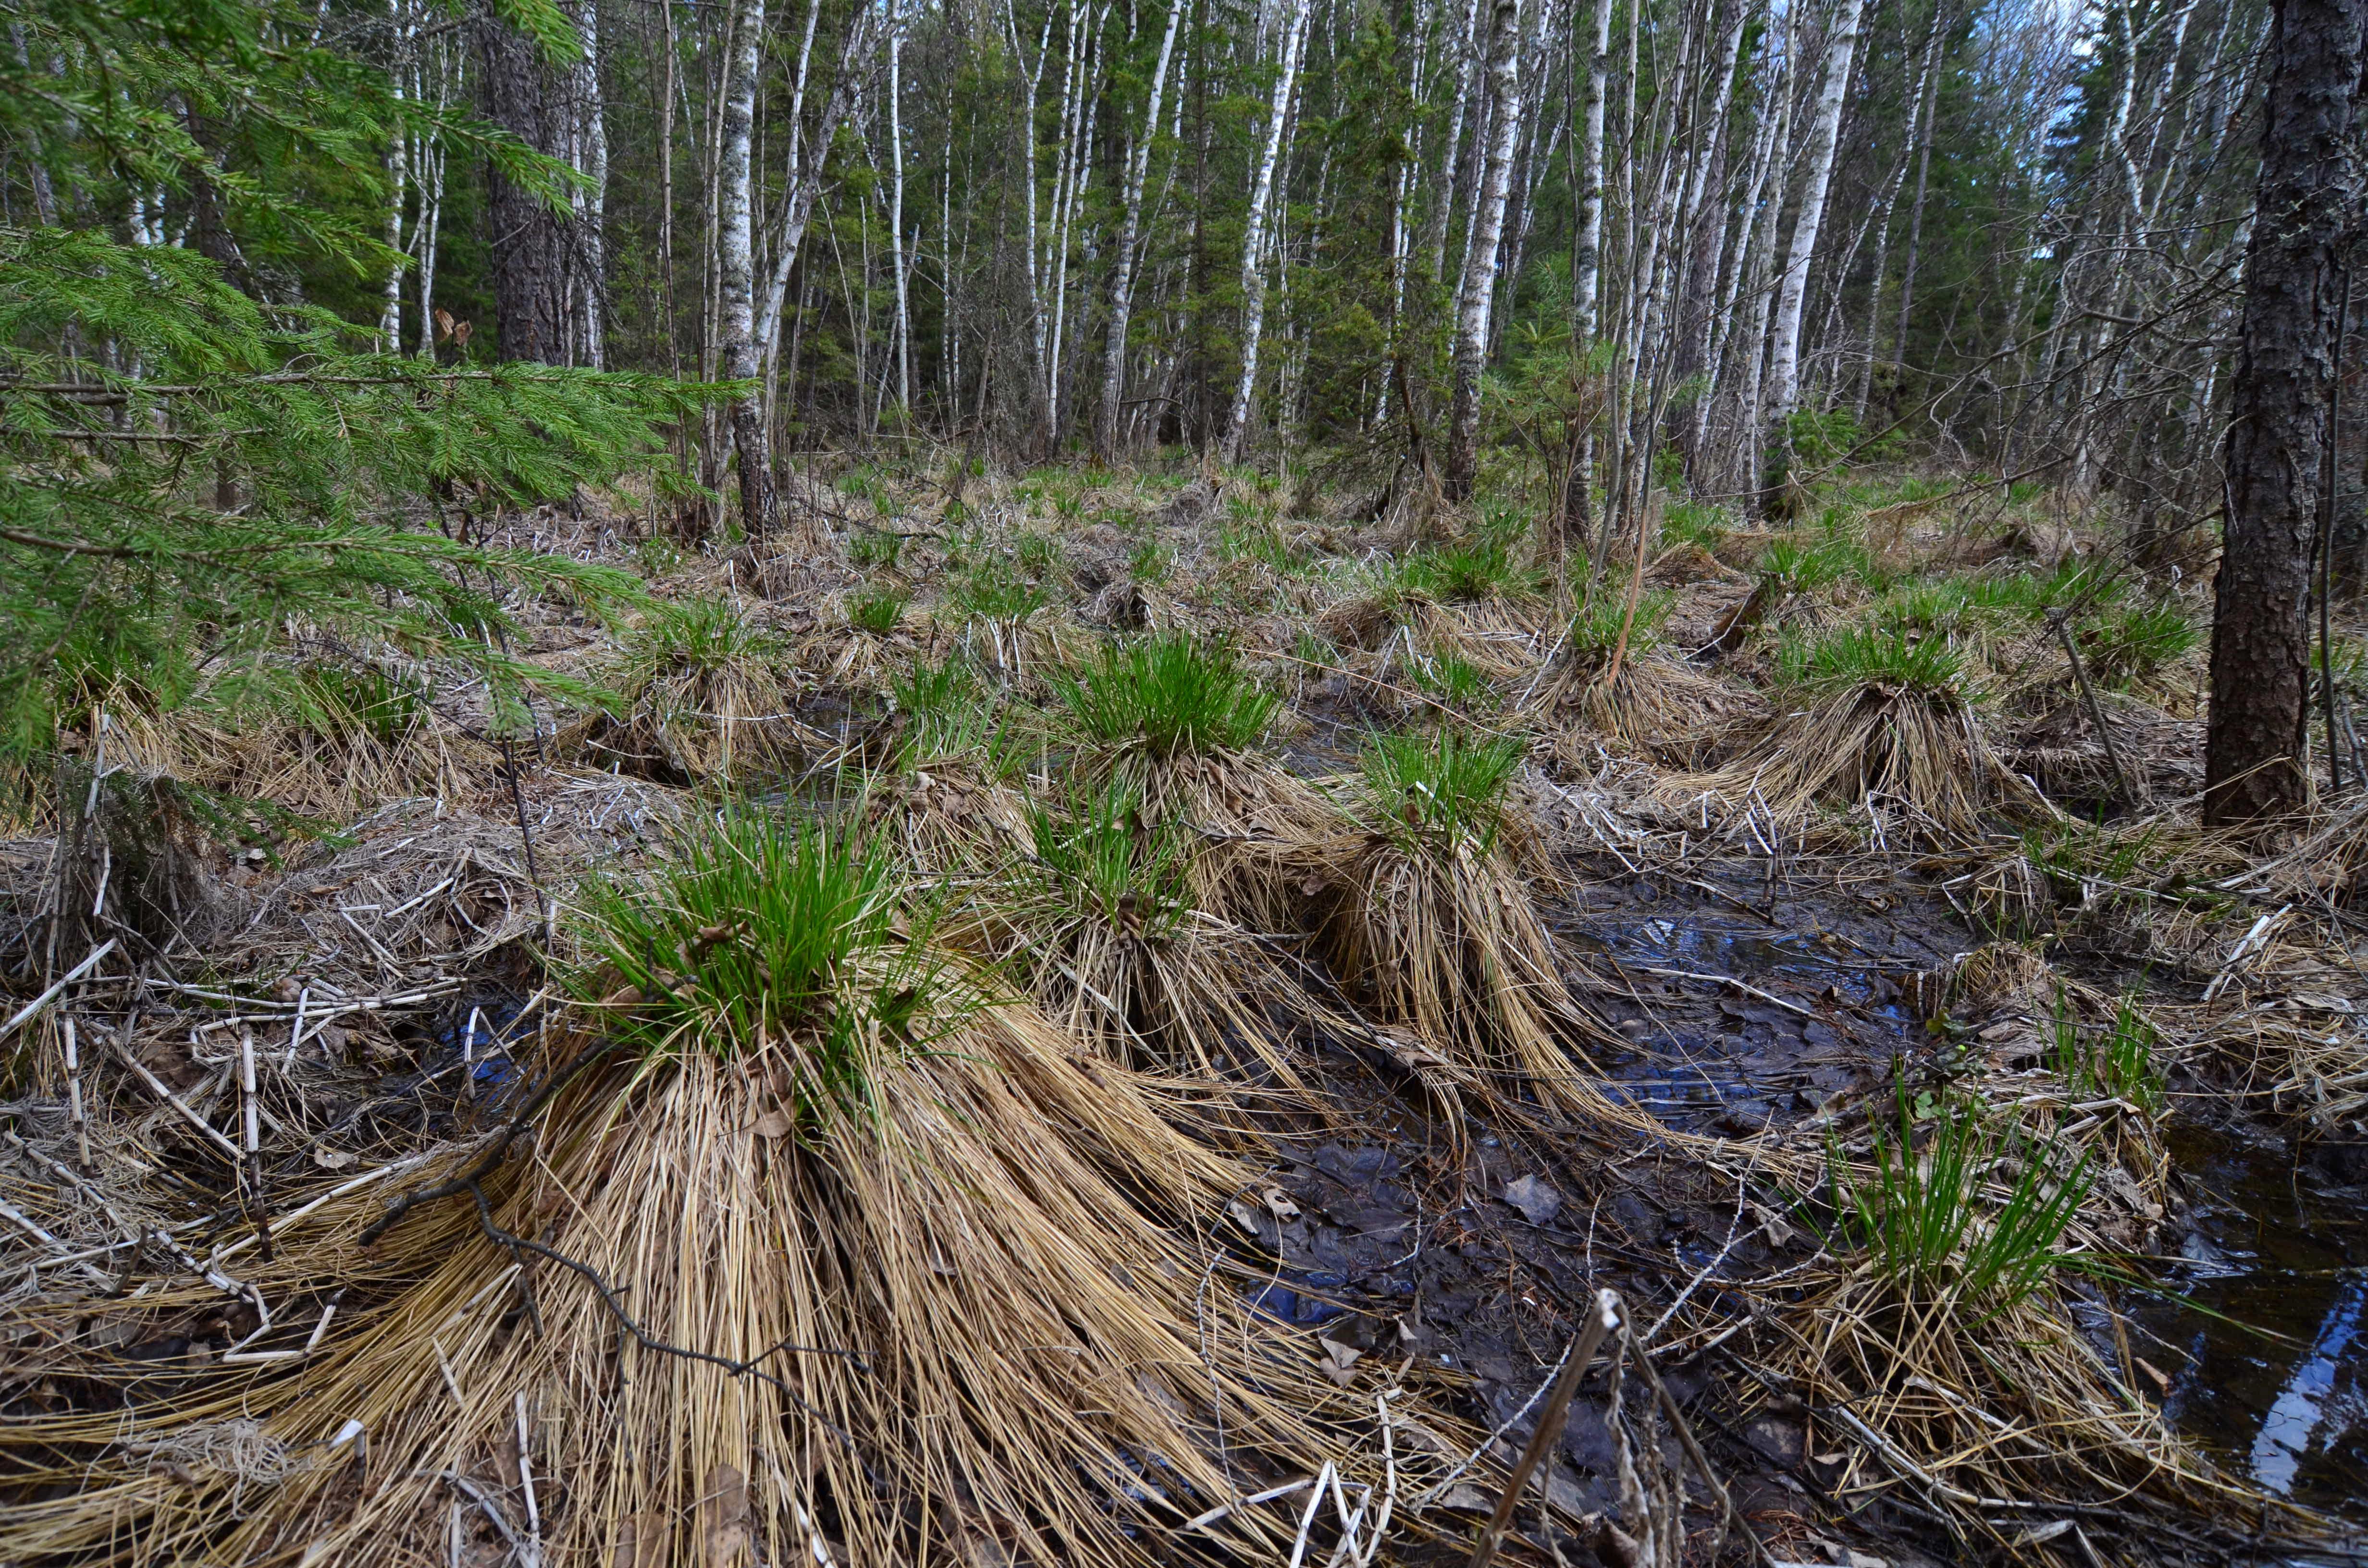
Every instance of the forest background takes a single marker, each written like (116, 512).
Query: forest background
(1576, 258)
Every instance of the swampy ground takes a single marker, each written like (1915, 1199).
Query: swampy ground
(1356, 946)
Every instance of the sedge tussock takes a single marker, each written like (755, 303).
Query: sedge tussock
(318, 739)
(703, 694)
(1171, 721)
(1422, 906)
(947, 796)
(945, 1279)
(1662, 706)
(1097, 921)
(1946, 1333)
(1878, 717)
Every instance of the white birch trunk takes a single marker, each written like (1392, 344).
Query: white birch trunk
(902, 347)
(402, 81)
(736, 258)
(1138, 170)
(1254, 239)
(1479, 290)
(1783, 391)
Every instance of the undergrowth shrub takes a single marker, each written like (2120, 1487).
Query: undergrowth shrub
(1170, 692)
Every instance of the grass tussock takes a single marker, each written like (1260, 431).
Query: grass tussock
(1884, 719)
(959, 1304)
(1173, 720)
(320, 736)
(1098, 921)
(1946, 1328)
(1423, 906)
(1165, 694)
(1657, 703)
(767, 936)
(703, 693)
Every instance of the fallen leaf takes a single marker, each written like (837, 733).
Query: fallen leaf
(1337, 1360)
(1466, 1498)
(1536, 1201)
(774, 1123)
(725, 1508)
(1779, 1230)
(1835, 1457)
(330, 1159)
(1278, 1204)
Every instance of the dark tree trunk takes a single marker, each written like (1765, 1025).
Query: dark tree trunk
(2304, 216)
(528, 239)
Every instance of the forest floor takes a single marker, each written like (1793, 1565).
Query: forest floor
(1976, 1145)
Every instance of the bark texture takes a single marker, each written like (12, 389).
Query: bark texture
(1793, 291)
(1479, 292)
(549, 276)
(736, 268)
(2305, 215)
(529, 271)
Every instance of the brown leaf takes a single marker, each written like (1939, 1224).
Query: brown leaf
(1336, 1359)
(774, 1123)
(1537, 1201)
(641, 1543)
(724, 1518)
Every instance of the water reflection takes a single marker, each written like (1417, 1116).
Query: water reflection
(2266, 1254)
(2314, 1398)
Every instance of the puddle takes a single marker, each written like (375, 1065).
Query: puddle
(2268, 1252)
(2266, 1249)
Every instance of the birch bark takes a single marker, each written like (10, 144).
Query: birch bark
(1783, 391)
(1479, 291)
(1254, 240)
(1138, 169)
(736, 261)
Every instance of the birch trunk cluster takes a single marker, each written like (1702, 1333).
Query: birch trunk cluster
(1584, 255)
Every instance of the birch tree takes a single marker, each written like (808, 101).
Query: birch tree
(1479, 290)
(1783, 388)
(1254, 240)
(735, 257)
(1122, 262)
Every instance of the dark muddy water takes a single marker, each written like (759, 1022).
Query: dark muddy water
(2266, 1362)
(2277, 1384)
